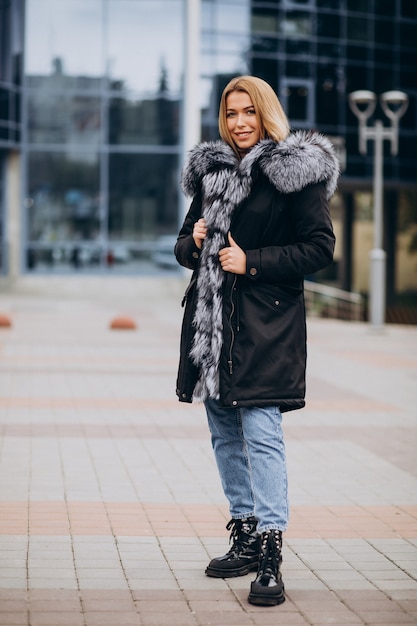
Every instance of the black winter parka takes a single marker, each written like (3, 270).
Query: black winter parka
(275, 205)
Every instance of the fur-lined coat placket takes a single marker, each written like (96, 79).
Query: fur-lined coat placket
(275, 203)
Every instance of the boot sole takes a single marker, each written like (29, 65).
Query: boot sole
(264, 600)
(232, 573)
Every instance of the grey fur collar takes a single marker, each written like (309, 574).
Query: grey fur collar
(302, 159)
(225, 181)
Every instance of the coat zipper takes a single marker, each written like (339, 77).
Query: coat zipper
(232, 332)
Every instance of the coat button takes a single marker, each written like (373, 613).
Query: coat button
(195, 255)
(253, 271)
(184, 395)
(277, 302)
(234, 402)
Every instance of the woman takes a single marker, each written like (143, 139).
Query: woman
(258, 223)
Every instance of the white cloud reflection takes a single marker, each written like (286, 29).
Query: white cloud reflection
(127, 39)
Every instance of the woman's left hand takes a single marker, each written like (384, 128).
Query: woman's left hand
(233, 259)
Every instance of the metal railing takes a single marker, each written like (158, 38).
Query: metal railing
(326, 301)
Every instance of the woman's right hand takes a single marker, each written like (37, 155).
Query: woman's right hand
(199, 232)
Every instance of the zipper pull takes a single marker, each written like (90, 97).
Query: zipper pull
(230, 367)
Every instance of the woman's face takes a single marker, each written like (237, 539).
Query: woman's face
(241, 120)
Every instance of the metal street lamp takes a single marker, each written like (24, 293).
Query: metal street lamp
(363, 104)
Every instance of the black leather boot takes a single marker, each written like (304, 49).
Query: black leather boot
(268, 589)
(243, 556)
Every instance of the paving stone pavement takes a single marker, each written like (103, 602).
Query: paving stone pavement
(110, 502)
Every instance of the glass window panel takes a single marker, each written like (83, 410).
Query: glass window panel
(357, 78)
(59, 117)
(385, 7)
(295, 68)
(357, 28)
(3, 242)
(143, 196)
(297, 101)
(357, 5)
(264, 44)
(233, 18)
(408, 58)
(408, 9)
(383, 79)
(145, 38)
(5, 41)
(230, 64)
(63, 196)
(266, 69)
(408, 34)
(406, 240)
(297, 46)
(207, 14)
(152, 121)
(330, 4)
(64, 36)
(232, 44)
(265, 21)
(359, 53)
(385, 55)
(384, 32)
(328, 25)
(327, 109)
(296, 24)
(333, 50)
(4, 104)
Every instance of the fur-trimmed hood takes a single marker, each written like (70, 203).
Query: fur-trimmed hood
(304, 158)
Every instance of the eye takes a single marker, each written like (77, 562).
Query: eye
(251, 112)
(230, 114)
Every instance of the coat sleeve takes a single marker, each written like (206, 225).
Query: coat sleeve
(313, 245)
(186, 252)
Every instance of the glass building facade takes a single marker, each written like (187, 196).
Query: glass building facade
(91, 98)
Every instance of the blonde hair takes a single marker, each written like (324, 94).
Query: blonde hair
(270, 115)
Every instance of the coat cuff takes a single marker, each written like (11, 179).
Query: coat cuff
(253, 264)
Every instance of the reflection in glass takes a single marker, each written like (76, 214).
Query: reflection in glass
(266, 69)
(327, 95)
(143, 37)
(151, 121)
(264, 44)
(297, 102)
(4, 105)
(357, 28)
(63, 201)
(143, 196)
(59, 117)
(328, 25)
(2, 213)
(67, 30)
(232, 18)
(296, 24)
(264, 21)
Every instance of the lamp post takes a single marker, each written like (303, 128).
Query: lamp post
(394, 104)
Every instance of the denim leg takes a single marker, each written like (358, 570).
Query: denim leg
(262, 431)
(231, 456)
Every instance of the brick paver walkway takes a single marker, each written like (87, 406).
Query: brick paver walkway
(110, 503)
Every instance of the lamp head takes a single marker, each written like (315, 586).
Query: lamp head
(394, 104)
(362, 103)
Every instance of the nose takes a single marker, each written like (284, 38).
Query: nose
(240, 120)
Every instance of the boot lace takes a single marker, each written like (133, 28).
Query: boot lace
(241, 535)
(271, 557)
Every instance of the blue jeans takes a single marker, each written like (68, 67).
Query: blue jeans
(248, 444)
